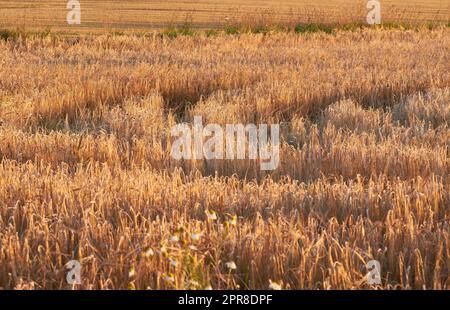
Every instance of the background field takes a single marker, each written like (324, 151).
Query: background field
(144, 14)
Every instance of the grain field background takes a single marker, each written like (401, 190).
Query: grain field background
(86, 171)
(140, 15)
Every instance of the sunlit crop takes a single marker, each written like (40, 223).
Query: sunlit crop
(86, 171)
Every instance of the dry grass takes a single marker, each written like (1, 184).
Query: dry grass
(139, 15)
(85, 170)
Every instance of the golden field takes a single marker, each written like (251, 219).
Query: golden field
(140, 15)
(86, 172)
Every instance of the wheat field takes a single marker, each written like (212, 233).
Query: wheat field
(86, 171)
(140, 15)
